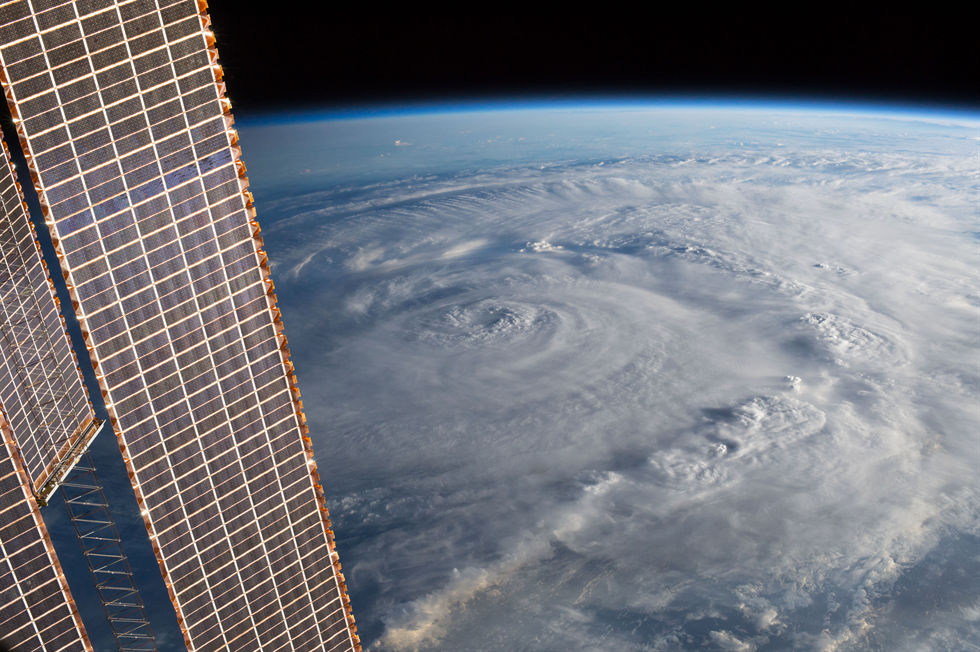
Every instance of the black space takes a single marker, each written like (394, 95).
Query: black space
(319, 57)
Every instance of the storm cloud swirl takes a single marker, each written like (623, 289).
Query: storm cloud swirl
(648, 403)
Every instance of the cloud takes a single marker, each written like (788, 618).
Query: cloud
(424, 622)
(701, 407)
(728, 642)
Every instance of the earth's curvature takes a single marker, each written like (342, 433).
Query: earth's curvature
(639, 378)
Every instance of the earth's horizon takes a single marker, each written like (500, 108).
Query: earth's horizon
(664, 376)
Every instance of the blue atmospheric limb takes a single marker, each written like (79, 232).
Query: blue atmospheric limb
(677, 374)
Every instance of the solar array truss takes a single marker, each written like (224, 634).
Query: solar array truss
(40, 385)
(107, 562)
(37, 611)
(120, 109)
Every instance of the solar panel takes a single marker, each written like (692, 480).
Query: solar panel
(37, 611)
(121, 112)
(40, 384)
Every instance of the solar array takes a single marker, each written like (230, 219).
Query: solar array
(41, 400)
(40, 386)
(120, 110)
(37, 611)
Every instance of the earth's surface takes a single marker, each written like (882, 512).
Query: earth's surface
(663, 377)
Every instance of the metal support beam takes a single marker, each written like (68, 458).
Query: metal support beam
(68, 462)
(89, 511)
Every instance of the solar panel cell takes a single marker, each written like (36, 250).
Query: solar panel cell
(61, 36)
(130, 388)
(115, 75)
(229, 361)
(20, 51)
(245, 249)
(137, 301)
(29, 67)
(198, 606)
(161, 244)
(14, 11)
(74, 70)
(110, 189)
(196, 59)
(146, 43)
(206, 94)
(190, 216)
(80, 239)
(197, 238)
(126, 108)
(155, 96)
(190, 582)
(54, 17)
(178, 10)
(101, 21)
(50, 140)
(71, 207)
(211, 533)
(155, 77)
(76, 90)
(111, 36)
(240, 634)
(183, 28)
(175, 540)
(118, 92)
(133, 126)
(102, 175)
(137, 8)
(136, 400)
(212, 422)
(113, 346)
(164, 111)
(211, 409)
(276, 642)
(218, 643)
(34, 86)
(71, 52)
(143, 25)
(152, 208)
(120, 360)
(84, 255)
(160, 482)
(17, 30)
(143, 330)
(93, 160)
(222, 175)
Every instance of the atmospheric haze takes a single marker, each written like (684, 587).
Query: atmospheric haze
(639, 377)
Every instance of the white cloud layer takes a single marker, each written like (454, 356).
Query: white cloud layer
(721, 401)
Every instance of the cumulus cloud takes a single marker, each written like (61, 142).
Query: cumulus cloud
(421, 623)
(730, 643)
(723, 399)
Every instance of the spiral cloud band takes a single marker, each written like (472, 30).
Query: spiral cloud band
(636, 401)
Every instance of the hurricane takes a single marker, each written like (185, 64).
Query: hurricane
(638, 390)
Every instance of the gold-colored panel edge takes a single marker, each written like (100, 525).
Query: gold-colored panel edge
(280, 334)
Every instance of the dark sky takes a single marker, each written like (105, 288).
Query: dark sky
(322, 57)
